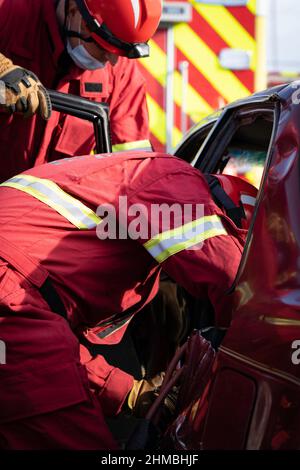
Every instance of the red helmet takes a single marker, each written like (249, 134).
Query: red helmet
(122, 27)
(242, 193)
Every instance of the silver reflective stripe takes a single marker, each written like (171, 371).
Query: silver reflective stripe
(248, 200)
(51, 194)
(171, 242)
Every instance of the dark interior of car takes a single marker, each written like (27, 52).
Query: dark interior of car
(249, 144)
(254, 134)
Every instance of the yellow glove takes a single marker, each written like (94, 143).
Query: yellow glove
(22, 91)
(143, 394)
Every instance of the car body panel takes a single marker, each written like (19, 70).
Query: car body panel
(252, 398)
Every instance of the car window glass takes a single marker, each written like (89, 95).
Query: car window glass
(246, 153)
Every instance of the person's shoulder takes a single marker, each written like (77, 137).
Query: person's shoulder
(174, 164)
(126, 69)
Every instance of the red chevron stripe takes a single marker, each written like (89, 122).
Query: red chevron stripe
(216, 44)
(207, 33)
(201, 84)
(161, 39)
(153, 87)
(247, 77)
(244, 16)
(157, 92)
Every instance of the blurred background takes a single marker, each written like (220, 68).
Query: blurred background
(208, 53)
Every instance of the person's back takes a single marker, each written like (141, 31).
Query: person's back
(100, 277)
(88, 272)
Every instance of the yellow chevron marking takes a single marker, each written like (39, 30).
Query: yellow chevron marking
(157, 120)
(251, 5)
(177, 136)
(158, 123)
(197, 107)
(206, 61)
(228, 28)
(156, 63)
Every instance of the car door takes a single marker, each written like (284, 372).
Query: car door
(244, 132)
(235, 140)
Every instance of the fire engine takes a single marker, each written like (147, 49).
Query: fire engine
(206, 54)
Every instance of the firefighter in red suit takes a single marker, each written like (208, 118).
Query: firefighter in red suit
(62, 272)
(82, 47)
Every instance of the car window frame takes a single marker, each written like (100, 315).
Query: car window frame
(195, 134)
(209, 154)
(271, 149)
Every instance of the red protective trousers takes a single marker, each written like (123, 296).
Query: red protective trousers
(65, 414)
(42, 349)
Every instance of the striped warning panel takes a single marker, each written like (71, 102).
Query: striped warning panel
(212, 29)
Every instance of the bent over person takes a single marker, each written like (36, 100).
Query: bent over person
(74, 254)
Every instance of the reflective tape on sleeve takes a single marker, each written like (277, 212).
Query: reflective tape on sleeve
(53, 196)
(168, 243)
(143, 145)
(248, 200)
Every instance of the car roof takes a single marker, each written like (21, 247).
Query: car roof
(283, 92)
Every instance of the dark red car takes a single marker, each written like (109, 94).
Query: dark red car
(248, 395)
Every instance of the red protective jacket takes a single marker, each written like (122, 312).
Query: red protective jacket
(30, 36)
(46, 229)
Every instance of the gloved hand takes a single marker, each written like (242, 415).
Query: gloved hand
(23, 91)
(143, 394)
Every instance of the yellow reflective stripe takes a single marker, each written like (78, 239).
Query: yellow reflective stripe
(168, 243)
(70, 199)
(52, 195)
(179, 231)
(185, 245)
(42, 198)
(138, 144)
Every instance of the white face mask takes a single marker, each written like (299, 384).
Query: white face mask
(83, 59)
